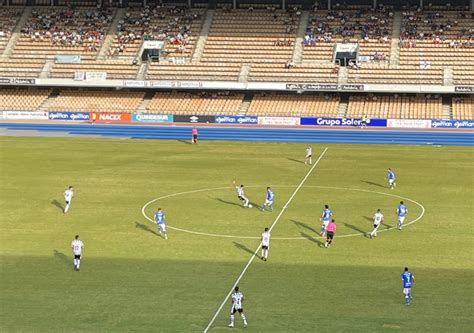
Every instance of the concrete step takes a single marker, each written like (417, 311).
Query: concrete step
(142, 71)
(298, 49)
(201, 42)
(46, 104)
(342, 110)
(16, 32)
(46, 71)
(244, 107)
(342, 77)
(111, 34)
(244, 73)
(395, 47)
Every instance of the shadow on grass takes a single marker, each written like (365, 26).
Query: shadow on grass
(313, 239)
(304, 225)
(228, 202)
(372, 183)
(144, 227)
(186, 142)
(295, 160)
(61, 257)
(57, 204)
(243, 248)
(353, 227)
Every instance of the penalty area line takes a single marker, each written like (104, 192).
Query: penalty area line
(260, 244)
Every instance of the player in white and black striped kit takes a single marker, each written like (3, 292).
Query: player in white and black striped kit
(77, 247)
(378, 219)
(265, 244)
(237, 299)
(241, 195)
(68, 194)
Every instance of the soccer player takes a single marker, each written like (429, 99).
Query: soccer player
(325, 218)
(237, 300)
(309, 154)
(241, 195)
(265, 244)
(408, 282)
(194, 134)
(269, 200)
(160, 222)
(68, 194)
(402, 210)
(331, 230)
(378, 218)
(77, 247)
(391, 179)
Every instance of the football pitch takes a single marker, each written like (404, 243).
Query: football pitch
(131, 279)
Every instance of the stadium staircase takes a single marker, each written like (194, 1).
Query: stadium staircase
(298, 50)
(447, 108)
(395, 47)
(16, 32)
(46, 69)
(111, 34)
(144, 103)
(448, 76)
(244, 106)
(342, 76)
(244, 73)
(342, 110)
(142, 71)
(45, 106)
(201, 42)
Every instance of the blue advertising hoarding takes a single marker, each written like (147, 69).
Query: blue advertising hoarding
(77, 116)
(152, 118)
(241, 120)
(462, 124)
(342, 122)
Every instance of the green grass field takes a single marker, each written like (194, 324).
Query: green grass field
(133, 280)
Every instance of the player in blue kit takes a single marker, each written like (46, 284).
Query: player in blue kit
(402, 210)
(325, 218)
(269, 200)
(160, 222)
(408, 281)
(391, 179)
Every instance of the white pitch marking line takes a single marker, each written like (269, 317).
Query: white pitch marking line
(276, 186)
(260, 244)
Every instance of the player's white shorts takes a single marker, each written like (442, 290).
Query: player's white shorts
(325, 223)
(265, 246)
(235, 309)
(391, 181)
(268, 203)
(401, 219)
(162, 226)
(406, 291)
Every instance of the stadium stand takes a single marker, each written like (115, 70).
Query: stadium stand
(294, 105)
(24, 68)
(293, 73)
(21, 99)
(404, 107)
(251, 36)
(436, 38)
(63, 31)
(115, 69)
(178, 27)
(463, 107)
(397, 75)
(193, 71)
(203, 103)
(371, 28)
(464, 75)
(8, 20)
(97, 101)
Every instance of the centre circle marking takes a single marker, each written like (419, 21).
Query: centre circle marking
(278, 186)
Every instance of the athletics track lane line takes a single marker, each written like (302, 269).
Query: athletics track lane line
(260, 244)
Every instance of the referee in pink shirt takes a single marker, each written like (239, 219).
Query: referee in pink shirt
(330, 231)
(194, 133)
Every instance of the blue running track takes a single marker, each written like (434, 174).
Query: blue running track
(449, 138)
